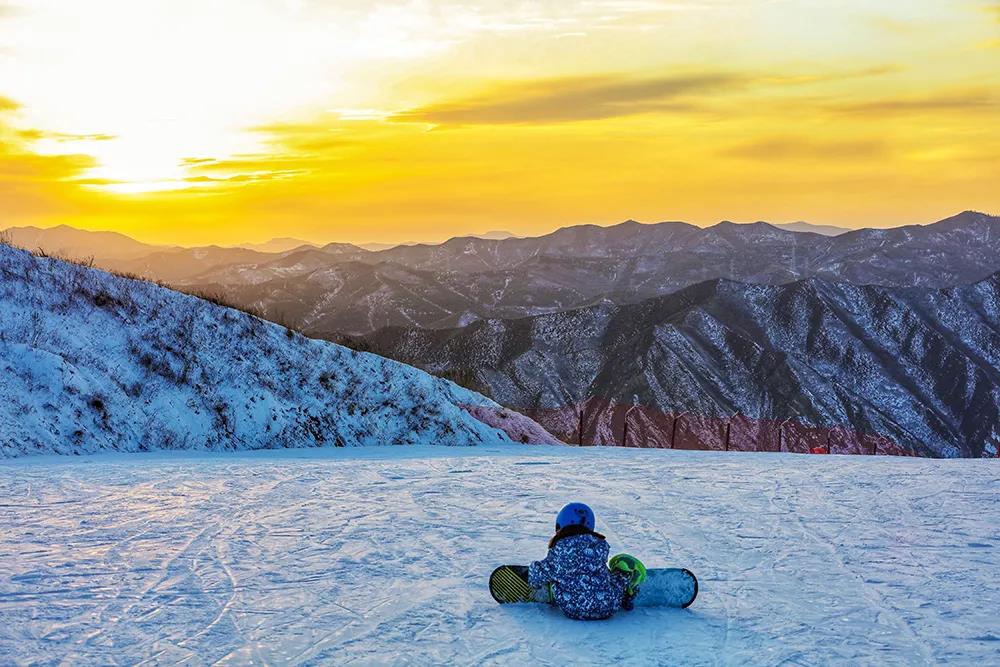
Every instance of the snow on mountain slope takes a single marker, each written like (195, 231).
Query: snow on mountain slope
(94, 362)
(811, 364)
(381, 556)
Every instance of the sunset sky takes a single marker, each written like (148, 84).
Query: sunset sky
(212, 121)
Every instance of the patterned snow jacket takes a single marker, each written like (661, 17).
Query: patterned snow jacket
(577, 568)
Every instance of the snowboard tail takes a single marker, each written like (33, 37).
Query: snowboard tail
(509, 583)
(664, 587)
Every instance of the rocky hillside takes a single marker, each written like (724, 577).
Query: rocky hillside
(94, 362)
(811, 365)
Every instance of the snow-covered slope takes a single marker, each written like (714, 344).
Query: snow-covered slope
(380, 556)
(812, 364)
(94, 362)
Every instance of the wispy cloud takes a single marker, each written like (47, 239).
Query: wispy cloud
(20, 166)
(253, 177)
(980, 99)
(786, 148)
(252, 168)
(31, 183)
(831, 77)
(574, 99)
(570, 99)
(35, 134)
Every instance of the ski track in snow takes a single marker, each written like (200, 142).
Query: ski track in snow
(382, 555)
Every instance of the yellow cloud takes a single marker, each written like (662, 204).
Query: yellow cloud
(793, 148)
(19, 164)
(574, 99)
(252, 177)
(319, 136)
(34, 186)
(971, 100)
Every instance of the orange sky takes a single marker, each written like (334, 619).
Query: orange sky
(193, 122)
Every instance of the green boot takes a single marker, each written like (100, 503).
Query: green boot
(633, 568)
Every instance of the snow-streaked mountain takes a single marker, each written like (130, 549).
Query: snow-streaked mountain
(811, 364)
(94, 362)
(441, 286)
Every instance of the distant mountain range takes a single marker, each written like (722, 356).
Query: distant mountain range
(851, 369)
(341, 288)
(66, 241)
(825, 230)
(63, 240)
(92, 362)
(494, 235)
(283, 244)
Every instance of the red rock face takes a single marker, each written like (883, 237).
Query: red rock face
(609, 424)
(517, 427)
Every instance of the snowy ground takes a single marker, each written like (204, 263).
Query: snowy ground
(381, 555)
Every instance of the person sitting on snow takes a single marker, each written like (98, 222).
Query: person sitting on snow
(581, 581)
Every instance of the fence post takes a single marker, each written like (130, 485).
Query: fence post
(673, 431)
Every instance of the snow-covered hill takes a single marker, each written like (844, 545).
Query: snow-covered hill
(380, 556)
(94, 362)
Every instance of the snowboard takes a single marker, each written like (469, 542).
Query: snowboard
(664, 587)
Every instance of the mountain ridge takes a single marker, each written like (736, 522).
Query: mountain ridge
(496, 235)
(911, 368)
(577, 267)
(344, 289)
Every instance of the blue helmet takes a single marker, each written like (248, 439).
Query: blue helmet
(576, 514)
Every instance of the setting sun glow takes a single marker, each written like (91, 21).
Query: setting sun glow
(219, 121)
